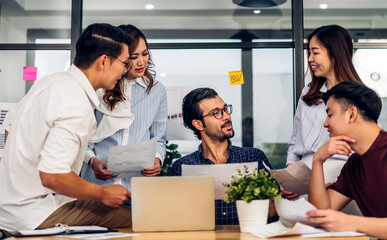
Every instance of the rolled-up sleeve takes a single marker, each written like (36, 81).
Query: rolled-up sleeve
(68, 127)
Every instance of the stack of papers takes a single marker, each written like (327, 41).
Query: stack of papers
(80, 232)
(294, 211)
(278, 229)
(293, 222)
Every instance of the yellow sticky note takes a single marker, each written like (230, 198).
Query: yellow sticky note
(236, 77)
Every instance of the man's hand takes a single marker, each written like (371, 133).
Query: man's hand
(335, 221)
(115, 195)
(335, 145)
(153, 170)
(100, 172)
(71, 185)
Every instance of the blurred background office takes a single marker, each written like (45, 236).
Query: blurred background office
(195, 44)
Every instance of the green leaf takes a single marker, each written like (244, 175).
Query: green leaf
(248, 186)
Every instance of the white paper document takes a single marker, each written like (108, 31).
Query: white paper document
(128, 161)
(278, 229)
(294, 211)
(221, 173)
(96, 236)
(61, 229)
(294, 178)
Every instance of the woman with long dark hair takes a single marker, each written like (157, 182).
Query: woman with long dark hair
(134, 111)
(330, 52)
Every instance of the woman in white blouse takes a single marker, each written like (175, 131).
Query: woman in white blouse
(330, 51)
(134, 111)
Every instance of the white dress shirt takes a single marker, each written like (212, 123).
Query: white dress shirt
(49, 131)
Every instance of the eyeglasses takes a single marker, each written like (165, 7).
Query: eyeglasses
(128, 64)
(218, 113)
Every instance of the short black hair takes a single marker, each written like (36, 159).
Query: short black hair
(191, 109)
(350, 93)
(98, 39)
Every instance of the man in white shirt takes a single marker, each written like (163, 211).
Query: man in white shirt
(48, 133)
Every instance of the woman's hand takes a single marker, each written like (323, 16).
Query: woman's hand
(100, 168)
(288, 195)
(153, 170)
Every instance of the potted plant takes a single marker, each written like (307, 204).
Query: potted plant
(171, 154)
(252, 192)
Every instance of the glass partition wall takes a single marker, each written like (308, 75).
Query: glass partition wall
(195, 44)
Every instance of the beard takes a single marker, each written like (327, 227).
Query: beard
(229, 133)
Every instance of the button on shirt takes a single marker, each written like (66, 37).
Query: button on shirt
(225, 213)
(49, 131)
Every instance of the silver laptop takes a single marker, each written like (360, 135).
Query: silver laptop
(173, 203)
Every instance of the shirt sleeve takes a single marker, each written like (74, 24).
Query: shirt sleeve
(89, 153)
(262, 159)
(69, 126)
(159, 125)
(292, 157)
(341, 185)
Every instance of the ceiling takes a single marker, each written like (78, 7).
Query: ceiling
(207, 14)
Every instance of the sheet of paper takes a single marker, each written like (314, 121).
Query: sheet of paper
(278, 229)
(221, 173)
(98, 235)
(294, 178)
(294, 211)
(332, 234)
(60, 229)
(128, 161)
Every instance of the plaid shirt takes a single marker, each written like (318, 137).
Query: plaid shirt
(225, 213)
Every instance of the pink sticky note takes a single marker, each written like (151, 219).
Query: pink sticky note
(29, 73)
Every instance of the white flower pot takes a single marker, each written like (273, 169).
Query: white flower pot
(252, 214)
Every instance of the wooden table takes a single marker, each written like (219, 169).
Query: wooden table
(230, 232)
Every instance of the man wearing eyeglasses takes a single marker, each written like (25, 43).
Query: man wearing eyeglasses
(48, 133)
(209, 117)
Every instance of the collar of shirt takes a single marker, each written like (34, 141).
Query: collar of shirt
(85, 83)
(230, 150)
(142, 81)
(324, 88)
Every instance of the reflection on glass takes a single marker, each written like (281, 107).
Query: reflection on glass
(19, 18)
(189, 69)
(273, 102)
(183, 16)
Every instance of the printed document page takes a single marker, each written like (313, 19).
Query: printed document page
(294, 178)
(294, 211)
(278, 229)
(128, 161)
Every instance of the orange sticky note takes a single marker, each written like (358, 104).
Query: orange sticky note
(236, 77)
(29, 73)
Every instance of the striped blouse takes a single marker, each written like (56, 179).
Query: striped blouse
(150, 111)
(308, 133)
